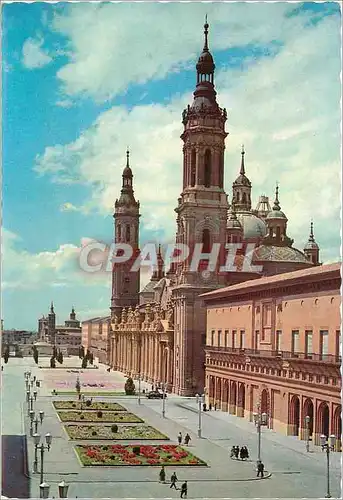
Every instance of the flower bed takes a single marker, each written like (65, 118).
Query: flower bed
(171, 455)
(113, 432)
(93, 416)
(96, 405)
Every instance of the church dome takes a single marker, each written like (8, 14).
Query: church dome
(127, 172)
(276, 214)
(205, 64)
(273, 253)
(253, 226)
(242, 180)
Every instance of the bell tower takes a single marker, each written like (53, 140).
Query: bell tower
(201, 220)
(125, 283)
(202, 206)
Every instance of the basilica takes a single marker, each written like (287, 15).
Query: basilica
(158, 334)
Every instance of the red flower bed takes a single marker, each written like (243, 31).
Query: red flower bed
(124, 455)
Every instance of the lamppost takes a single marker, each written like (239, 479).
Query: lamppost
(42, 448)
(31, 403)
(44, 490)
(328, 445)
(164, 400)
(260, 419)
(36, 421)
(32, 416)
(200, 400)
(307, 422)
(35, 395)
(63, 489)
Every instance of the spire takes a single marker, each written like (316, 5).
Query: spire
(276, 202)
(206, 26)
(158, 272)
(127, 157)
(52, 308)
(311, 237)
(205, 66)
(242, 171)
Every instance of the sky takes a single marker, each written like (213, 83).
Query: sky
(82, 82)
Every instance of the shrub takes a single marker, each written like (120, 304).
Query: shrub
(129, 387)
(84, 362)
(94, 433)
(74, 405)
(114, 428)
(136, 450)
(82, 417)
(99, 414)
(88, 402)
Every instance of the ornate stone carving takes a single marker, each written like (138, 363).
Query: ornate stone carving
(137, 316)
(123, 315)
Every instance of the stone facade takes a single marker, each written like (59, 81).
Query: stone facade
(68, 335)
(205, 218)
(274, 344)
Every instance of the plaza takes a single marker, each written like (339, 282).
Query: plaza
(291, 472)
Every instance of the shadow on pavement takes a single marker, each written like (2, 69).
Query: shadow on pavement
(15, 480)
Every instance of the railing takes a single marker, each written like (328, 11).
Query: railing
(325, 358)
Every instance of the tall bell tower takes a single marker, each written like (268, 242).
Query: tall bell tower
(125, 283)
(201, 219)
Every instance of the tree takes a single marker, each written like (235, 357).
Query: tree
(84, 362)
(60, 359)
(81, 352)
(52, 362)
(54, 352)
(88, 355)
(91, 358)
(129, 387)
(6, 353)
(35, 355)
(78, 385)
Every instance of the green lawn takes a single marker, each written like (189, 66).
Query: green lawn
(129, 432)
(149, 455)
(96, 405)
(93, 416)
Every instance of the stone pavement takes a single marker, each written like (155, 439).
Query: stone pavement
(295, 474)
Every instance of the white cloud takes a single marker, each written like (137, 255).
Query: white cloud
(33, 56)
(135, 43)
(70, 207)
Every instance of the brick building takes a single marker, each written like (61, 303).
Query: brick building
(274, 344)
(95, 336)
(160, 331)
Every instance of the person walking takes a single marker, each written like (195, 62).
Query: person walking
(173, 480)
(187, 439)
(232, 452)
(242, 453)
(260, 469)
(179, 438)
(246, 452)
(236, 452)
(162, 475)
(184, 490)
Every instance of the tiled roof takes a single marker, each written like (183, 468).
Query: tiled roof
(284, 278)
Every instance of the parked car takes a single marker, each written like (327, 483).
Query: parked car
(156, 395)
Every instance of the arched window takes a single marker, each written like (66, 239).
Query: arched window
(127, 232)
(206, 241)
(207, 172)
(244, 198)
(278, 232)
(237, 196)
(193, 168)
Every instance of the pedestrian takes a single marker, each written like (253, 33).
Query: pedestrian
(210, 406)
(179, 438)
(173, 480)
(184, 490)
(236, 452)
(187, 439)
(246, 452)
(215, 406)
(232, 452)
(162, 475)
(242, 453)
(260, 469)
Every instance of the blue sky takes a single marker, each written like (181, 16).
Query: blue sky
(81, 82)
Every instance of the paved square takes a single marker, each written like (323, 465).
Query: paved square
(294, 473)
